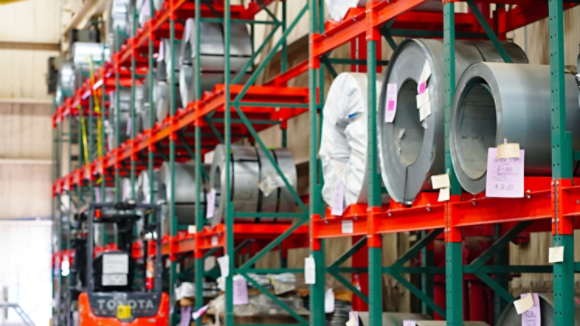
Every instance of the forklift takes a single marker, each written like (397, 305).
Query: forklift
(112, 293)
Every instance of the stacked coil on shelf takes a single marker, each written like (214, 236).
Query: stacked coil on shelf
(212, 56)
(255, 185)
(162, 87)
(510, 316)
(124, 117)
(343, 148)
(184, 193)
(497, 101)
(118, 23)
(411, 150)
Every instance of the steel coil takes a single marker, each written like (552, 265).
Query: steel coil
(158, 4)
(66, 82)
(83, 52)
(510, 317)
(144, 187)
(392, 318)
(163, 99)
(129, 190)
(411, 150)
(212, 56)
(184, 193)
(124, 118)
(490, 96)
(248, 168)
(343, 148)
(118, 27)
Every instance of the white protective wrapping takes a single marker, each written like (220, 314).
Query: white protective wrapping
(343, 150)
(338, 8)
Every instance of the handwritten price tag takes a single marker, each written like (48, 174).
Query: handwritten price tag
(532, 316)
(391, 103)
(505, 176)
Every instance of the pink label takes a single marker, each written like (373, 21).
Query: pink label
(409, 323)
(533, 316)
(391, 99)
(185, 316)
(422, 87)
(240, 291)
(505, 176)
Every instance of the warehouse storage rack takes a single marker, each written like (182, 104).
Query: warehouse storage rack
(549, 203)
(188, 133)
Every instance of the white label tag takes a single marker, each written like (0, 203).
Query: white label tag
(422, 99)
(524, 304)
(191, 229)
(409, 323)
(224, 263)
(352, 319)
(556, 254)
(338, 199)
(440, 181)
(505, 176)
(444, 194)
(161, 54)
(115, 263)
(214, 240)
(188, 24)
(309, 270)
(240, 291)
(425, 74)
(508, 150)
(210, 204)
(391, 103)
(114, 279)
(347, 226)
(425, 111)
(329, 301)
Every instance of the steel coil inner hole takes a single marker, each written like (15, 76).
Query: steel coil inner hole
(476, 128)
(407, 126)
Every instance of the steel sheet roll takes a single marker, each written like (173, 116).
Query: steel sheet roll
(392, 318)
(158, 4)
(125, 118)
(144, 187)
(129, 190)
(343, 149)
(163, 99)
(212, 56)
(184, 193)
(249, 168)
(118, 23)
(66, 82)
(494, 101)
(278, 199)
(510, 317)
(83, 52)
(411, 150)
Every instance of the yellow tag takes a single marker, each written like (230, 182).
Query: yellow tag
(123, 312)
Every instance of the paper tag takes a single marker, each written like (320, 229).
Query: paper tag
(425, 111)
(409, 323)
(508, 150)
(533, 316)
(191, 229)
(329, 301)
(161, 54)
(444, 194)
(129, 125)
(425, 74)
(309, 270)
(200, 312)
(185, 316)
(556, 255)
(97, 195)
(422, 99)
(224, 263)
(214, 240)
(282, 287)
(188, 24)
(347, 226)
(505, 176)
(524, 304)
(210, 204)
(240, 291)
(440, 181)
(352, 318)
(338, 199)
(391, 102)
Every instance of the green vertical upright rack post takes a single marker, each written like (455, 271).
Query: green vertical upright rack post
(173, 220)
(150, 75)
(199, 218)
(117, 119)
(132, 122)
(561, 169)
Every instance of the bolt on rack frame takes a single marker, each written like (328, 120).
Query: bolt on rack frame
(240, 110)
(548, 205)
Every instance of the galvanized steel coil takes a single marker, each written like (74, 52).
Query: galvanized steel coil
(124, 118)
(411, 150)
(343, 148)
(144, 187)
(248, 168)
(118, 21)
(184, 193)
(494, 101)
(66, 82)
(510, 317)
(212, 56)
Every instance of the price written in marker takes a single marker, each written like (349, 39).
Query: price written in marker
(505, 176)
